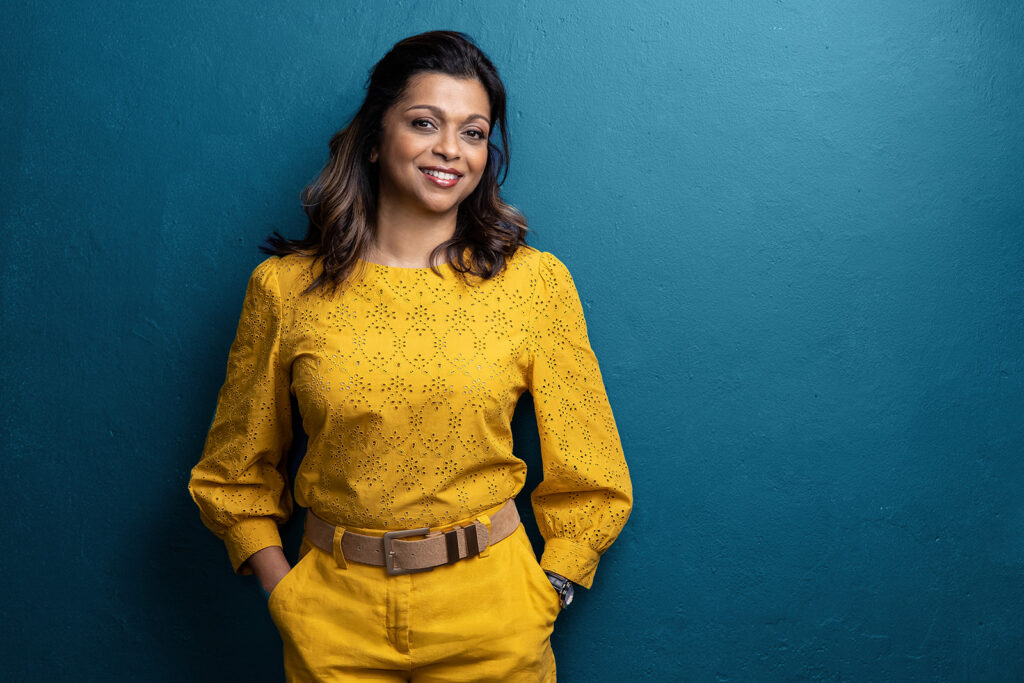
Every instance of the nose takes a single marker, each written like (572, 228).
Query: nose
(446, 145)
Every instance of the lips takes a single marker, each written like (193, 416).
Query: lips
(442, 177)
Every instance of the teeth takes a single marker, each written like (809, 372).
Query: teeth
(442, 176)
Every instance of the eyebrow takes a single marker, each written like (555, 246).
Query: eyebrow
(438, 112)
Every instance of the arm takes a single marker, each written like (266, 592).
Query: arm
(269, 565)
(586, 495)
(239, 483)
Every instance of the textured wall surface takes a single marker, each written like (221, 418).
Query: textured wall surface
(798, 230)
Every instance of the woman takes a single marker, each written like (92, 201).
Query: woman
(408, 323)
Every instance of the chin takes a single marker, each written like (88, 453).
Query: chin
(441, 207)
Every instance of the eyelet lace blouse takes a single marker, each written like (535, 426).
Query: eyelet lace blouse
(406, 384)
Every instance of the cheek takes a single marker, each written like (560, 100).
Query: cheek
(479, 162)
(471, 186)
(402, 149)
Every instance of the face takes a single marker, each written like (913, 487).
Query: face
(433, 145)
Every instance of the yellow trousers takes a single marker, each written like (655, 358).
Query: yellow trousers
(484, 618)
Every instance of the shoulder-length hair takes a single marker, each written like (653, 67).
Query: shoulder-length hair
(341, 202)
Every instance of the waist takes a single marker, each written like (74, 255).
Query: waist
(399, 553)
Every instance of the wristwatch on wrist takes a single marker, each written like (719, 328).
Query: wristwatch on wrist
(563, 586)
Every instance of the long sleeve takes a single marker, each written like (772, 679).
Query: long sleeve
(586, 494)
(239, 483)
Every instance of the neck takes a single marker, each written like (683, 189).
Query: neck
(405, 238)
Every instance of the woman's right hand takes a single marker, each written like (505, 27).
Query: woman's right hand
(269, 565)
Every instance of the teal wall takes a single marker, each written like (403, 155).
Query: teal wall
(798, 230)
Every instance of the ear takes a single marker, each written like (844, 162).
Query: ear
(373, 155)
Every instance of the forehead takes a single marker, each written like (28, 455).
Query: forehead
(457, 97)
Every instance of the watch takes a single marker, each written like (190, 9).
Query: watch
(563, 587)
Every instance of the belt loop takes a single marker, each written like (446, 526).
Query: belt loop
(339, 554)
(486, 521)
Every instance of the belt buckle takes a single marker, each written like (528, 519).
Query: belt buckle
(389, 554)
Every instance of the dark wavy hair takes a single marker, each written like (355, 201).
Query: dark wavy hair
(341, 202)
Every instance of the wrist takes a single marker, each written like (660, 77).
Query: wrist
(269, 565)
(263, 591)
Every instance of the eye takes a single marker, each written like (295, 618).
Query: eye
(478, 134)
(416, 123)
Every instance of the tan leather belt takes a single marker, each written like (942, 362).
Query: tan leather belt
(406, 557)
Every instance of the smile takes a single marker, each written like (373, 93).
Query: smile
(441, 178)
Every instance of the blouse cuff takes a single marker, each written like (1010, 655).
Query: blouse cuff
(570, 559)
(246, 537)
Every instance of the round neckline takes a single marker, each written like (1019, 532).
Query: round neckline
(403, 269)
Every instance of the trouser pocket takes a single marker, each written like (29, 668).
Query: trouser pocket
(291, 583)
(538, 579)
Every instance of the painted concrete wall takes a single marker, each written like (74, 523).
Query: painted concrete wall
(797, 230)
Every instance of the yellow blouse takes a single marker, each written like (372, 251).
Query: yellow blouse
(406, 383)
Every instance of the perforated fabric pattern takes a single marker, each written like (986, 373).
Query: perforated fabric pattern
(407, 382)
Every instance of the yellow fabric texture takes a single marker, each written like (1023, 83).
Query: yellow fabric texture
(482, 619)
(406, 381)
